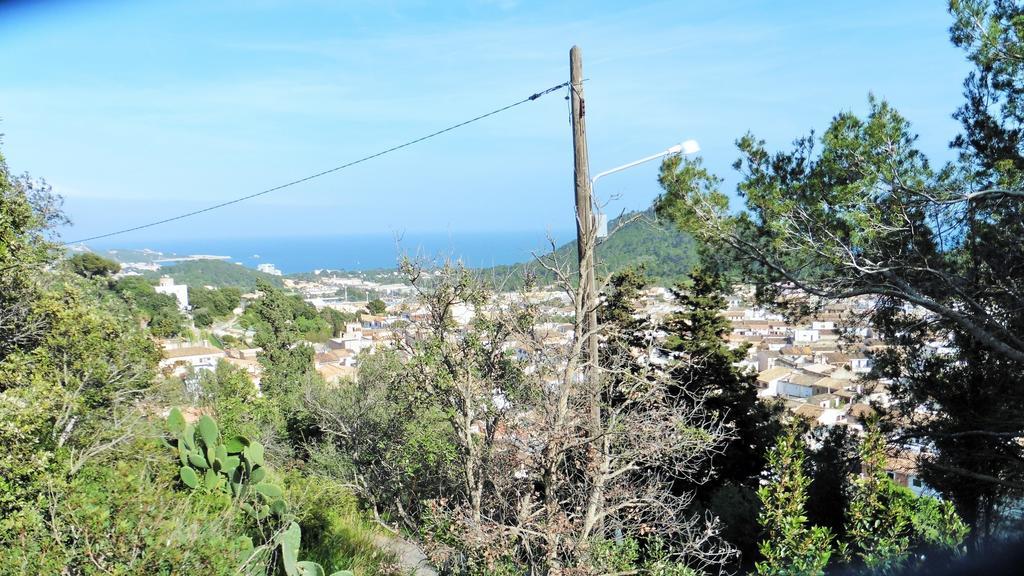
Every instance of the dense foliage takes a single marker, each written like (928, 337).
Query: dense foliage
(74, 368)
(89, 264)
(859, 212)
(276, 315)
(887, 527)
(212, 304)
(159, 312)
(376, 306)
(87, 485)
(639, 239)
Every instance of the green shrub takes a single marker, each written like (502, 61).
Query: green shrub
(239, 410)
(791, 546)
(125, 517)
(629, 557)
(89, 264)
(335, 533)
(202, 318)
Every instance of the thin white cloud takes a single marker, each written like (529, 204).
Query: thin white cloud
(73, 192)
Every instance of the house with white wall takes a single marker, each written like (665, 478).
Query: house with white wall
(167, 286)
(806, 335)
(179, 360)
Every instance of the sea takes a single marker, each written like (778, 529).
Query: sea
(356, 252)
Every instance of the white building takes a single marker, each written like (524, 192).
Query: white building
(353, 339)
(860, 364)
(761, 314)
(269, 269)
(806, 335)
(179, 291)
(195, 357)
(768, 380)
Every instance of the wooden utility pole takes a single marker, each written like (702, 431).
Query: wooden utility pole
(586, 245)
(586, 239)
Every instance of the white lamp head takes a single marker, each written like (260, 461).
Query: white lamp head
(689, 147)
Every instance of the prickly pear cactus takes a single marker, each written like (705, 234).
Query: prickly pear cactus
(290, 541)
(233, 466)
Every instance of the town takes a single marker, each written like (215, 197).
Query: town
(816, 368)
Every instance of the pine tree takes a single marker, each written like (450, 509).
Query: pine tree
(626, 328)
(861, 211)
(707, 367)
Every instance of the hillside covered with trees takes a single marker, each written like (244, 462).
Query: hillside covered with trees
(665, 252)
(215, 273)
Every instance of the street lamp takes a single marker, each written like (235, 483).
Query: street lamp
(685, 147)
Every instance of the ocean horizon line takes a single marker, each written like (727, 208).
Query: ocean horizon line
(354, 252)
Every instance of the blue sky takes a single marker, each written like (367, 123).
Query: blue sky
(136, 111)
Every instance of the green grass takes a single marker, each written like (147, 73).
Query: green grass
(214, 340)
(335, 532)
